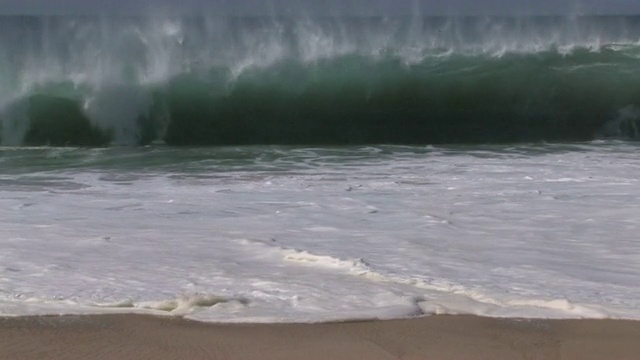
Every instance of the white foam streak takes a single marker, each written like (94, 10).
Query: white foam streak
(182, 306)
(458, 300)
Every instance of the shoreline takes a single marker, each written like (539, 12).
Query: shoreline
(130, 336)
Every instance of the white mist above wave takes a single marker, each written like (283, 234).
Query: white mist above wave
(268, 234)
(108, 51)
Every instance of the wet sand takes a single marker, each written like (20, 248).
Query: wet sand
(434, 337)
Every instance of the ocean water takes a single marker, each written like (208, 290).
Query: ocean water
(316, 234)
(317, 169)
(93, 81)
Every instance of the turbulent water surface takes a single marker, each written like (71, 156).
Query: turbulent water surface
(330, 168)
(315, 234)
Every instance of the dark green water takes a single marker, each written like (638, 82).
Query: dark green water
(329, 81)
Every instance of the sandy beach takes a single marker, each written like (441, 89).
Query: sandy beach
(434, 337)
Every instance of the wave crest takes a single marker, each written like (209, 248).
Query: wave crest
(223, 81)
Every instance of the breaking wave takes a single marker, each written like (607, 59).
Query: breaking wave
(230, 81)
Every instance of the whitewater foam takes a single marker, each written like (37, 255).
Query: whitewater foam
(316, 234)
(456, 299)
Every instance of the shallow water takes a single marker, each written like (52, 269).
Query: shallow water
(313, 234)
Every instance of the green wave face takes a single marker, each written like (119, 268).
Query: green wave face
(327, 81)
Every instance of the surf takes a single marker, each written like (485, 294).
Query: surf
(97, 81)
